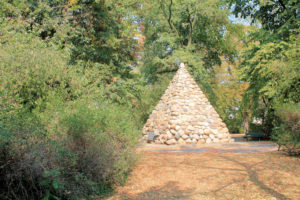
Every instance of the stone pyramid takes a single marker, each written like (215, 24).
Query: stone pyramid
(184, 115)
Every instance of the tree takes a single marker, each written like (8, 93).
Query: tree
(190, 31)
(270, 63)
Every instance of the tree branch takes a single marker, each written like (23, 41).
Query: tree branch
(169, 19)
(192, 23)
(282, 4)
(264, 101)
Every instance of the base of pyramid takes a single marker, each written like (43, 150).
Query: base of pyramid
(172, 137)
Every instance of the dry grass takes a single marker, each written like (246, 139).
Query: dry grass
(212, 175)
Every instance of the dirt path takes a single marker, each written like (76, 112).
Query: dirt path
(251, 170)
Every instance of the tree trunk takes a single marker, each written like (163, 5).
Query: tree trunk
(246, 123)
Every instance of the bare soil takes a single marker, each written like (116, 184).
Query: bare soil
(242, 170)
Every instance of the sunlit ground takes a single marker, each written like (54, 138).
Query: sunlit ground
(232, 171)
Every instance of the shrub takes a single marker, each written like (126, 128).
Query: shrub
(91, 152)
(103, 136)
(150, 98)
(287, 132)
(61, 135)
(26, 159)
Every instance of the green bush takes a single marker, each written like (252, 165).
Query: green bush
(150, 98)
(287, 132)
(91, 149)
(26, 158)
(62, 135)
(255, 127)
(106, 135)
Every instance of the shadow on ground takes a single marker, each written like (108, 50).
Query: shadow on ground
(213, 172)
(253, 177)
(170, 190)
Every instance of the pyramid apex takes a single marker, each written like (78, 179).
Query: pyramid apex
(181, 65)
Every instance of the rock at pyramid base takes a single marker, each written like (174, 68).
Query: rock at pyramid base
(184, 116)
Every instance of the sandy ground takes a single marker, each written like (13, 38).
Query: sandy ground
(241, 170)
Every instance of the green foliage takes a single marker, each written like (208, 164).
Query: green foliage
(277, 16)
(67, 125)
(187, 31)
(287, 132)
(102, 36)
(272, 69)
(30, 77)
(270, 63)
(150, 98)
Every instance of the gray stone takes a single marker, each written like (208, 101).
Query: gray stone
(200, 131)
(185, 137)
(216, 140)
(188, 141)
(181, 132)
(173, 131)
(169, 136)
(196, 137)
(208, 140)
(158, 142)
(191, 128)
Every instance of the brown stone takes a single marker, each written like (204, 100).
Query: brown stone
(181, 141)
(185, 137)
(150, 129)
(206, 131)
(173, 126)
(148, 123)
(171, 141)
(201, 141)
(164, 123)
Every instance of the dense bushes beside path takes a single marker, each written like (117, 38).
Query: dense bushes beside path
(89, 150)
(62, 136)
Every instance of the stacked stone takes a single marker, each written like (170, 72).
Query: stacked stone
(184, 115)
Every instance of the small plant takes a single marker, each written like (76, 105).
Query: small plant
(51, 183)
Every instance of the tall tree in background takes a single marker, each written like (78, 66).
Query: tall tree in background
(271, 64)
(104, 34)
(188, 31)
